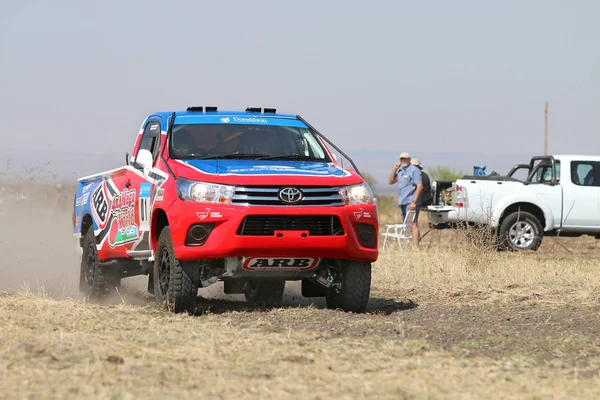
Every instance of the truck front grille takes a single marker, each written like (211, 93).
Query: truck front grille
(266, 225)
(268, 196)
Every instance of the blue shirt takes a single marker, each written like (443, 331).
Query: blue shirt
(408, 179)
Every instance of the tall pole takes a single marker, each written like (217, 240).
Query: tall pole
(546, 129)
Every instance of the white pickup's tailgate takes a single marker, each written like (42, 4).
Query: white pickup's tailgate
(442, 214)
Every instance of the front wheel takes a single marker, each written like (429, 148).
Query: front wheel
(353, 287)
(175, 283)
(520, 231)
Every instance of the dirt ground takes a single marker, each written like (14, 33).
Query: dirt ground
(447, 321)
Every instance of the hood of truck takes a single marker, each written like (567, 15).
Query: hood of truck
(265, 172)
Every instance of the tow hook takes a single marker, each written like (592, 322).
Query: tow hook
(326, 281)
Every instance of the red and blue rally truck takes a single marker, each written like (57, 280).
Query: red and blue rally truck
(253, 198)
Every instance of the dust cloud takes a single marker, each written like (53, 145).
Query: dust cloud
(37, 247)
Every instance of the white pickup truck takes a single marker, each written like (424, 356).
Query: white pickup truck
(521, 211)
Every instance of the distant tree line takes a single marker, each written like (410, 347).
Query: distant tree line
(443, 173)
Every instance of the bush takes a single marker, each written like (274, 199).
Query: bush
(442, 173)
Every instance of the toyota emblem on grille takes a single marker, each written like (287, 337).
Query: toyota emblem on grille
(290, 195)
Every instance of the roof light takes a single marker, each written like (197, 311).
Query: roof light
(195, 108)
(202, 109)
(261, 110)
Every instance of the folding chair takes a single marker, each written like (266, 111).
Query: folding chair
(398, 231)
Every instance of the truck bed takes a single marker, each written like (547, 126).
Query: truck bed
(498, 178)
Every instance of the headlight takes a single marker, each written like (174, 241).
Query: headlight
(204, 192)
(357, 194)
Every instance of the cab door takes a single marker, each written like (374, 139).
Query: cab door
(130, 207)
(144, 186)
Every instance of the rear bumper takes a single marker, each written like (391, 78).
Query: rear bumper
(441, 214)
(450, 216)
(224, 241)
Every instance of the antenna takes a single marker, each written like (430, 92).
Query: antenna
(546, 129)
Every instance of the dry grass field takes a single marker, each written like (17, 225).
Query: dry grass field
(450, 321)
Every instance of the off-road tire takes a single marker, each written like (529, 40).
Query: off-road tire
(355, 280)
(180, 289)
(92, 279)
(527, 219)
(265, 293)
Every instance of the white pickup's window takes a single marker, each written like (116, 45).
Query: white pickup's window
(585, 173)
(544, 174)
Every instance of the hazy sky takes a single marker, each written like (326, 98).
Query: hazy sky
(438, 76)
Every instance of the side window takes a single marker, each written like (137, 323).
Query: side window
(544, 173)
(151, 138)
(585, 173)
(314, 145)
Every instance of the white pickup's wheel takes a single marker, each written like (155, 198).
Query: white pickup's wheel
(520, 231)
(522, 234)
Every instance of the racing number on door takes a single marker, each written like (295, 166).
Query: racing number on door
(144, 209)
(144, 205)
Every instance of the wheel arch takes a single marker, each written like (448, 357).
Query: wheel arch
(531, 208)
(86, 223)
(158, 223)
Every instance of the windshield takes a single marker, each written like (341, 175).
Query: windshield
(206, 141)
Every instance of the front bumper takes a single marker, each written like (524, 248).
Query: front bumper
(224, 240)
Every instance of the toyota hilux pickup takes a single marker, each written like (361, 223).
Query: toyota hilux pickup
(252, 198)
(559, 193)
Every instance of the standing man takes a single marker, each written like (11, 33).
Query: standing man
(427, 196)
(410, 187)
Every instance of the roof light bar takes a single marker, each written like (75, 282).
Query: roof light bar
(261, 110)
(202, 109)
(195, 108)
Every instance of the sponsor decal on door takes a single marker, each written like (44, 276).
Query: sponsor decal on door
(123, 227)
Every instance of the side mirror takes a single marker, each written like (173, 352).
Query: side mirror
(127, 158)
(144, 159)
